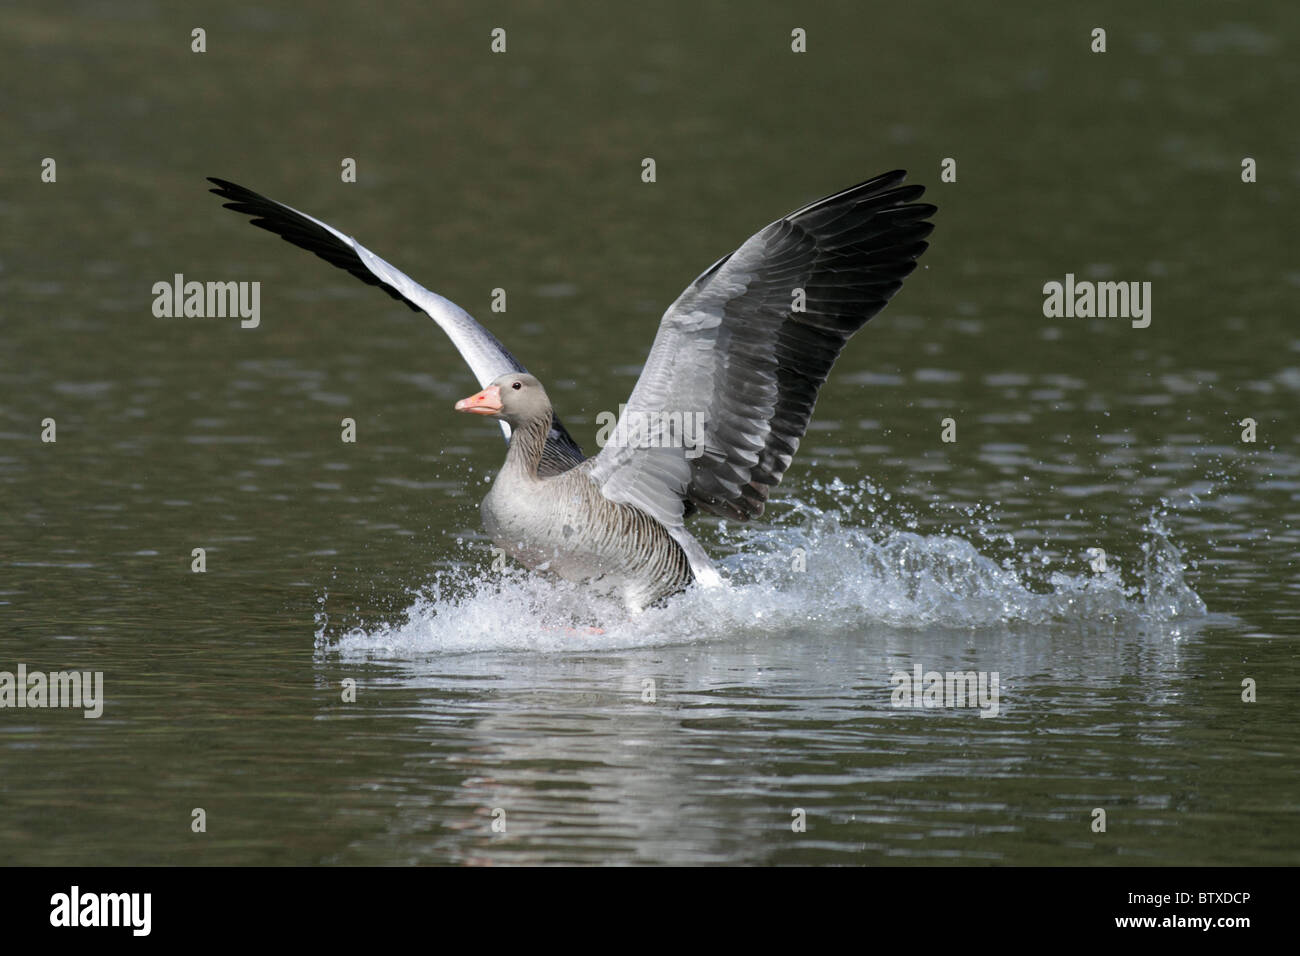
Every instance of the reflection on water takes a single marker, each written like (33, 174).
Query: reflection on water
(741, 732)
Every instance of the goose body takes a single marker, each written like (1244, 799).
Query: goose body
(743, 351)
(563, 524)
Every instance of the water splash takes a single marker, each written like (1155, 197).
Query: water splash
(814, 570)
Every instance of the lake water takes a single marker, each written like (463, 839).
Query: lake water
(751, 724)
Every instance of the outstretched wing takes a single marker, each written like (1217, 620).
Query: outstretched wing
(486, 357)
(736, 353)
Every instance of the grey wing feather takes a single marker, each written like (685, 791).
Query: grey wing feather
(735, 352)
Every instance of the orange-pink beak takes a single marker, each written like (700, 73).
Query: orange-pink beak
(486, 402)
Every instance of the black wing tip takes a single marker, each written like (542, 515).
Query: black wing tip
(891, 178)
(884, 181)
(225, 187)
(238, 196)
(887, 190)
(263, 212)
(907, 213)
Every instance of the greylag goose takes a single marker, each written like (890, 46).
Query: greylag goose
(717, 414)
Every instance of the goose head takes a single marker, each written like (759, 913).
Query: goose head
(518, 398)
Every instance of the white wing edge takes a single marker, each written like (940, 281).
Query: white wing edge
(706, 575)
(485, 357)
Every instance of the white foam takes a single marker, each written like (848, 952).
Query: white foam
(856, 576)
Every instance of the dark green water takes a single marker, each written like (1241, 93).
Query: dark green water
(329, 562)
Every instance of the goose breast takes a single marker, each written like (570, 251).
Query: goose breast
(566, 526)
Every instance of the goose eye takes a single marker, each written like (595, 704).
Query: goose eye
(517, 386)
